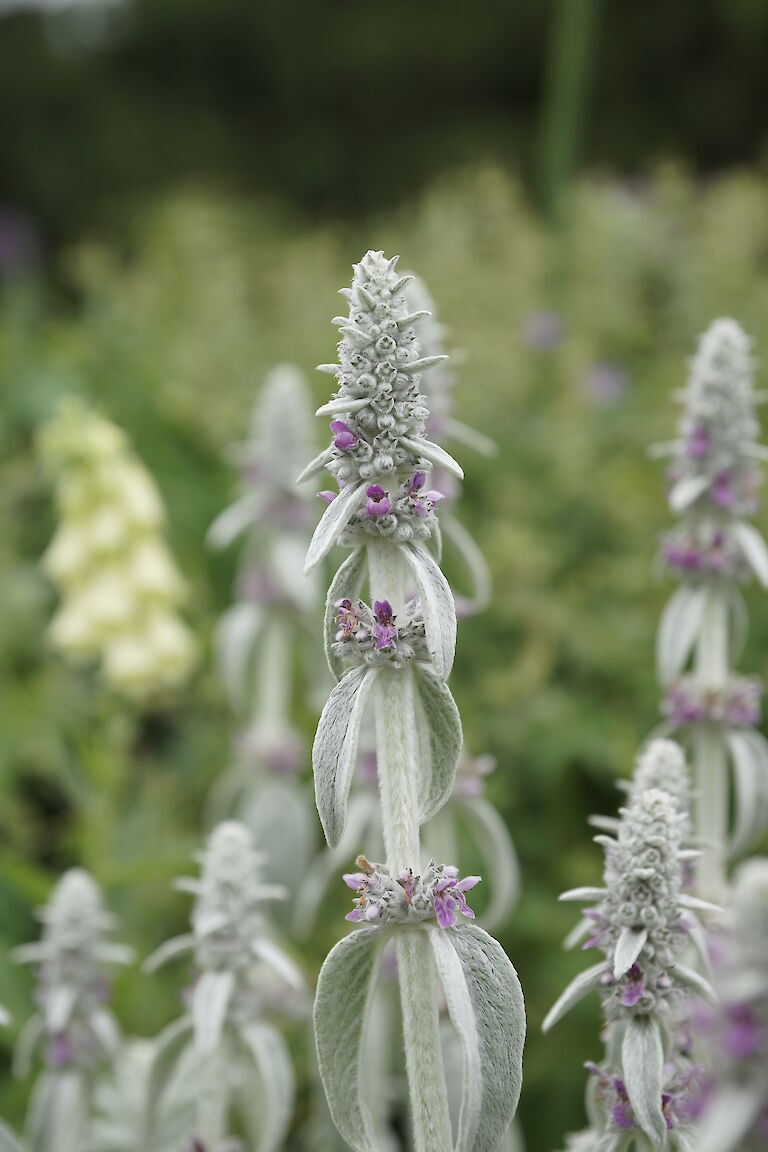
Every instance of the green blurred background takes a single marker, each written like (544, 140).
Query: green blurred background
(184, 185)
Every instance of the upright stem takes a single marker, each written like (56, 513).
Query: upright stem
(710, 762)
(211, 1125)
(273, 679)
(397, 761)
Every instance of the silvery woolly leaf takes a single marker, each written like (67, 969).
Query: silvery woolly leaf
(167, 1052)
(463, 434)
(686, 491)
(236, 634)
(753, 548)
(59, 1005)
(437, 606)
(749, 759)
(334, 752)
(272, 1115)
(316, 466)
(9, 1142)
(642, 1061)
(583, 895)
(332, 523)
(440, 738)
(279, 961)
(485, 1003)
(696, 983)
(437, 456)
(729, 1118)
(210, 1000)
(678, 629)
(629, 945)
(342, 1007)
(347, 583)
(176, 946)
(288, 567)
(578, 988)
(472, 559)
(498, 853)
(281, 815)
(232, 521)
(58, 1113)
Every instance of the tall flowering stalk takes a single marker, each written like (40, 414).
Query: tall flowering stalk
(120, 588)
(714, 551)
(645, 1091)
(73, 1028)
(271, 623)
(735, 1112)
(237, 1059)
(396, 655)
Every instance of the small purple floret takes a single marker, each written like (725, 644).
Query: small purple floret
(634, 987)
(379, 503)
(344, 437)
(385, 631)
(327, 495)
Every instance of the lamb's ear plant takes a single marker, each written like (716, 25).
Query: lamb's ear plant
(270, 629)
(714, 550)
(644, 1092)
(395, 655)
(237, 1059)
(734, 1117)
(73, 1029)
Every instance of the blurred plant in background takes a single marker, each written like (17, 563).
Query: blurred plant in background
(556, 682)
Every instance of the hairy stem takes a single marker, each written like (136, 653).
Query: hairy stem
(211, 1123)
(710, 766)
(397, 760)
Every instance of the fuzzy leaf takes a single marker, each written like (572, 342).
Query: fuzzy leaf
(686, 491)
(679, 626)
(437, 456)
(332, 523)
(629, 945)
(578, 988)
(440, 738)
(236, 634)
(275, 1104)
(347, 583)
(8, 1141)
(582, 895)
(642, 1061)
(176, 946)
(749, 757)
(473, 561)
(342, 1006)
(316, 466)
(500, 860)
(754, 549)
(486, 1005)
(210, 1001)
(695, 982)
(729, 1118)
(437, 606)
(232, 521)
(334, 752)
(167, 1052)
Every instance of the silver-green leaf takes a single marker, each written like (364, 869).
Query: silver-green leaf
(578, 988)
(334, 752)
(342, 1005)
(332, 523)
(642, 1061)
(275, 1104)
(437, 606)
(440, 740)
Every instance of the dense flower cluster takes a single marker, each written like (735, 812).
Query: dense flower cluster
(736, 1031)
(120, 587)
(715, 456)
(662, 765)
(702, 549)
(736, 704)
(379, 414)
(437, 893)
(72, 960)
(373, 637)
(681, 1101)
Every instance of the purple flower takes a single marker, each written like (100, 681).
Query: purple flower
(348, 617)
(605, 384)
(344, 437)
(422, 502)
(60, 1053)
(698, 443)
(634, 987)
(328, 496)
(379, 503)
(722, 491)
(542, 330)
(384, 631)
(449, 893)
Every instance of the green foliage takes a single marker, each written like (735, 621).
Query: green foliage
(556, 680)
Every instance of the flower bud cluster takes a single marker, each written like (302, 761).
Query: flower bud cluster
(700, 548)
(736, 704)
(736, 1031)
(400, 513)
(662, 765)
(437, 893)
(643, 882)
(680, 1101)
(719, 431)
(372, 636)
(72, 960)
(228, 916)
(120, 587)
